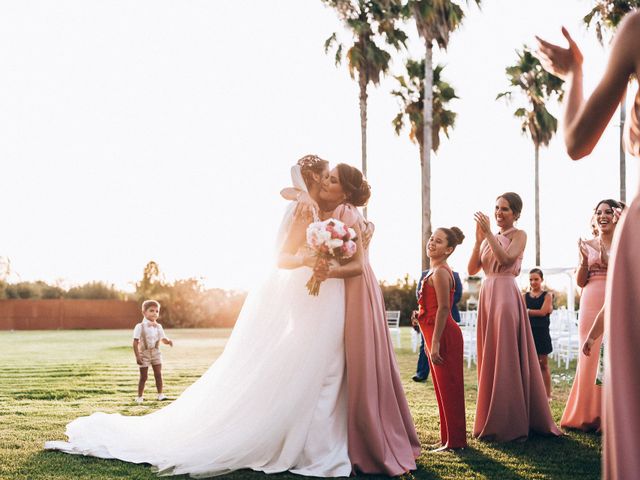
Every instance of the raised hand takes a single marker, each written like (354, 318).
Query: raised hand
(584, 256)
(557, 60)
(617, 212)
(483, 226)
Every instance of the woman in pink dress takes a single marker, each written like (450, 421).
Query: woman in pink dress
(584, 122)
(512, 399)
(382, 436)
(583, 408)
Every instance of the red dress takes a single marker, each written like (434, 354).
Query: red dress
(448, 379)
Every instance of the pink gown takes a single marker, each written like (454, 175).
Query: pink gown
(512, 399)
(621, 390)
(381, 434)
(583, 407)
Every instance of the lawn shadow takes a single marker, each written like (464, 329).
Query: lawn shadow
(479, 462)
(47, 464)
(571, 456)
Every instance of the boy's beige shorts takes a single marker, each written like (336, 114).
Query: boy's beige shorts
(150, 357)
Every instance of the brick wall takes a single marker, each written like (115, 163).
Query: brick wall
(67, 314)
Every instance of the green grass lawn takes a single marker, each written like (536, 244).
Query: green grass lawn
(48, 378)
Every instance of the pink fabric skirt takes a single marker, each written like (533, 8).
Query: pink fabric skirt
(621, 390)
(512, 399)
(584, 404)
(382, 435)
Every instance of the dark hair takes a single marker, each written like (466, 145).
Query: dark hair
(310, 164)
(538, 272)
(607, 201)
(454, 236)
(354, 185)
(147, 304)
(611, 202)
(514, 201)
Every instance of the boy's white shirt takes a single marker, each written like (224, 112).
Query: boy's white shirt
(154, 335)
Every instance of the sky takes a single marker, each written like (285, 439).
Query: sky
(161, 130)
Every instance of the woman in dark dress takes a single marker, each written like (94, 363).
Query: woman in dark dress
(539, 307)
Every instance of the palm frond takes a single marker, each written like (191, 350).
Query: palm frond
(536, 87)
(328, 43)
(411, 101)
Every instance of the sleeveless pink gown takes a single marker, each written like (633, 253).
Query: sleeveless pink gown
(583, 409)
(511, 396)
(621, 390)
(381, 434)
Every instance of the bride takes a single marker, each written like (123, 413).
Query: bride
(275, 400)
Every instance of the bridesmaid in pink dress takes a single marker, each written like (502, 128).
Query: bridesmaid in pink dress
(512, 400)
(584, 122)
(382, 436)
(583, 408)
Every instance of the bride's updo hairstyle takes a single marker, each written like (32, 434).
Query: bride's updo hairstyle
(310, 164)
(354, 186)
(454, 236)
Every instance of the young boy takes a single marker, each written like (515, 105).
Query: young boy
(147, 336)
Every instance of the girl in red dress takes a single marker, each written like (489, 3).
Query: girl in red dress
(443, 338)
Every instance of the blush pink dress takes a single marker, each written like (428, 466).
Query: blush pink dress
(381, 435)
(583, 407)
(621, 390)
(512, 400)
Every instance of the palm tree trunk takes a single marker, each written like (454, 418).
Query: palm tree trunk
(362, 80)
(425, 153)
(537, 202)
(623, 169)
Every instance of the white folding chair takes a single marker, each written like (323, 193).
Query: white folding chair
(468, 321)
(567, 345)
(415, 340)
(393, 322)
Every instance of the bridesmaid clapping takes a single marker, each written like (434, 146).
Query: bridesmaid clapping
(511, 395)
(584, 405)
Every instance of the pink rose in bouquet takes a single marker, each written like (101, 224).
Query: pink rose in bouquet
(329, 239)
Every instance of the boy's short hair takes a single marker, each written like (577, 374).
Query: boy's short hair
(147, 304)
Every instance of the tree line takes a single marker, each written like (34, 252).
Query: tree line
(376, 31)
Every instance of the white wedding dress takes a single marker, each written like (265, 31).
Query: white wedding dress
(275, 400)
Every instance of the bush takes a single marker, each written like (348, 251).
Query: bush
(401, 296)
(185, 303)
(31, 290)
(94, 291)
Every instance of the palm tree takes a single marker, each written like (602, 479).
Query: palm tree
(537, 86)
(607, 15)
(367, 20)
(410, 92)
(435, 20)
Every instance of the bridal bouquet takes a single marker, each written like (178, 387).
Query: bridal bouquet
(330, 239)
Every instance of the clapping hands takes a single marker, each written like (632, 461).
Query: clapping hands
(584, 256)
(483, 226)
(557, 60)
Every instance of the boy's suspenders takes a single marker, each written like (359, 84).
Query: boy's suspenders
(143, 337)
